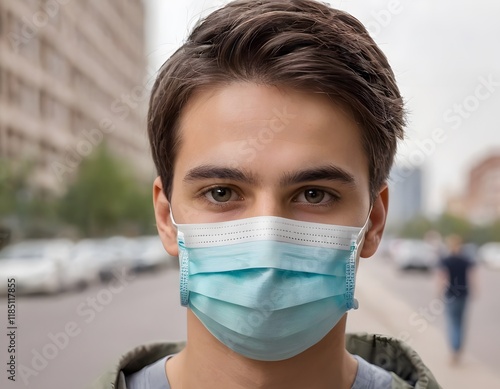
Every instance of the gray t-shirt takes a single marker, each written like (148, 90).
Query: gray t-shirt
(153, 376)
(370, 376)
(150, 377)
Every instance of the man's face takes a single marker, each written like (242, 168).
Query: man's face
(251, 150)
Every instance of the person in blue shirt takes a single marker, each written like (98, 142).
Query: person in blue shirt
(457, 284)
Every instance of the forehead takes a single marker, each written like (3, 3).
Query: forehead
(268, 131)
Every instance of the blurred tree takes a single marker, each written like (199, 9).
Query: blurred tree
(487, 233)
(13, 181)
(105, 199)
(448, 224)
(415, 228)
(25, 210)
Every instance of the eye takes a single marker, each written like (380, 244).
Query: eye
(315, 196)
(221, 194)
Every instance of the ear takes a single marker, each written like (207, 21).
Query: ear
(376, 223)
(166, 229)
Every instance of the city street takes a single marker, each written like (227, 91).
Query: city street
(67, 340)
(109, 321)
(419, 291)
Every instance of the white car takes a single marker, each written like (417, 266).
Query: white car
(150, 254)
(115, 255)
(83, 266)
(413, 254)
(489, 254)
(36, 265)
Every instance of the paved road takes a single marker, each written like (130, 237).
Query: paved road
(101, 323)
(65, 341)
(419, 290)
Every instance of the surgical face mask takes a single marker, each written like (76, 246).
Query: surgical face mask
(268, 287)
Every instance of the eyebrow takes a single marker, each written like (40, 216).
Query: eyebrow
(328, 172)
(204, 172)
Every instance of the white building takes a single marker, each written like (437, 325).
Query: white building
(72, 73)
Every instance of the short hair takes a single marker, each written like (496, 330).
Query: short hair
(301, 44)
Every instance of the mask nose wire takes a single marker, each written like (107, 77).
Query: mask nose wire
(360, 236)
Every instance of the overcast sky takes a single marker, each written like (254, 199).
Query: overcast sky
(446, 56)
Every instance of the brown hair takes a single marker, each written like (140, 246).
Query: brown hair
(302, 44)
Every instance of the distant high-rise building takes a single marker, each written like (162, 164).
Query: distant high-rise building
(405, 195)
(480, 202)
(72, 74)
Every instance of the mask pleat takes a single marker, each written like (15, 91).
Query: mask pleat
(281, 288)
(251, 322)
(267, 254)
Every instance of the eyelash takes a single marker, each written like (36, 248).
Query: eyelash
(220, 205)
(335, 197)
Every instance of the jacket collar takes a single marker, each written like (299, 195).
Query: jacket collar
(391, 354)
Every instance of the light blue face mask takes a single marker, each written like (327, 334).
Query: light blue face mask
(268, 287)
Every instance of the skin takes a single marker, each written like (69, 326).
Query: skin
(252, 150)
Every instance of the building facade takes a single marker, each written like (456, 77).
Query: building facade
(72, 75)
(405, 195)
(480, 202)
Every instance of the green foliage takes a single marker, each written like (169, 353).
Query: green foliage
(24, 210)
(105, 199)
(447, 224)
(488, 233)
(415, 228)
(13, 186)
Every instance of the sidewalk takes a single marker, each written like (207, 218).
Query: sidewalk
(382, 312)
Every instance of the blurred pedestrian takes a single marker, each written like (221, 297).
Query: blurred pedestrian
(456, 281)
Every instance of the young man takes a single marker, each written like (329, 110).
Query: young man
(273, 129)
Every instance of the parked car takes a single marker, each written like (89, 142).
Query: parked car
(413, 254)
(150, 254)
(37, 265)
(489, 254)
(115, 255)
(84, 263)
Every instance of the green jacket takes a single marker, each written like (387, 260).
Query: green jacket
(405, 365)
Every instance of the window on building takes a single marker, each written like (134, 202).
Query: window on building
(13, 90)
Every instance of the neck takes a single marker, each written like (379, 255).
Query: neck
(206, 363)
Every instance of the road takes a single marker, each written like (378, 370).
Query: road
(419, 290)
(100, 323)
(66, 341)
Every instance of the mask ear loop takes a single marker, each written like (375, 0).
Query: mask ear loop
(356, 239)
(183, 264)
(172, 217)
